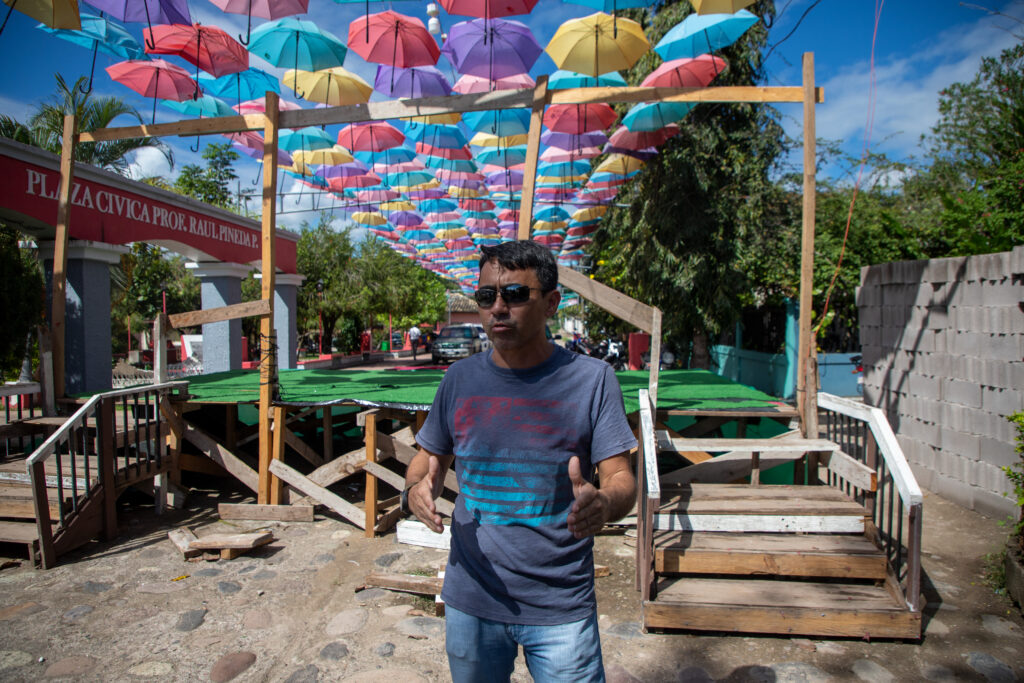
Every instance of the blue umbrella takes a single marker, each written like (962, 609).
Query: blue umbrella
(564, 168)
(204, 106)
(243, 86)
(438, 205)
(563, 80)
(551, 214)
(499, 122)
(450, 164)
(436, 135)
(650, 116)
(407, 178)
(297, 44)
(700, 33)
(99, 34)
(393, 155)
(503, 156)
(309, 138)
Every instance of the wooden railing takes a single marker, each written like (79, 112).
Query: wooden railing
(863, 433)
(113, 439)
(20, 401)
(649, 499)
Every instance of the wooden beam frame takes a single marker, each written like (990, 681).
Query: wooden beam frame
(58, 302)
(260, 307)
(806, 391)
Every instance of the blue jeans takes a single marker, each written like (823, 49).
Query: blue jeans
(484, 650)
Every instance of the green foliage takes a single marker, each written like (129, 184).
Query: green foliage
(1015, 473)
(46, 127)
(21, 300)
(210, 184)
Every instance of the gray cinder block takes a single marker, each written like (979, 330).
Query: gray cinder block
(967, 446)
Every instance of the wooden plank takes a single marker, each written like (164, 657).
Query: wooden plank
(711, 94)
(222, 456)
(842, 524)
(618, 304)
(806, 398)
(370, 441)
(302, 448)
(339, 468)
(246, 309)
(768, 593)
(18, 532)
(397, 481)
(44, 530)
(391, 446)
(760, 506)
(388, 520)
(415, 532)
(105, 445)
(853, 471)
(236, 541)
(58, 301)
(318, 493)
(540, 94)
(725, 468)
(19, 388)
(749, 445)
(182, 539)
(185, 128)
(407, 583)
(277, 513)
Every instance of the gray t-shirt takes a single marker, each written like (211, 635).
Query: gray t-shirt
(512, 556)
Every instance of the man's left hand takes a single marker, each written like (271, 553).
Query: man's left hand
(588, 513)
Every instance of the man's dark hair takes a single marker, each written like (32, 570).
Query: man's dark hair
(523, 255)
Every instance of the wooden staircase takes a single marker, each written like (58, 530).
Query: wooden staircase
(779, 559)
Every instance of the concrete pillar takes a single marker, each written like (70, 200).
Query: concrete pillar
(87, 347)
(221, 285)
(286, 289)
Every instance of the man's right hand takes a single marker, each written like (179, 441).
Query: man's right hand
(423, 493)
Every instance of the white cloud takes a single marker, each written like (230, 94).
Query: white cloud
(16, 109)
(148, 162)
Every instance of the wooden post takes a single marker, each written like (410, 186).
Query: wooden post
(58, 303)
(46, 373)
(540, 96)
(268, 350)
(105, 449)
(371, 481)
(41, 500)
(280, 428)
(655, 369)
(806, 397)
(326, 417)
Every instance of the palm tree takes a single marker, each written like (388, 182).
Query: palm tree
(46, 127)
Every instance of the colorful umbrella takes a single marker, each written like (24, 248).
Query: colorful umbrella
(413, 81)
(468, 83)
(308, 138)
(335, 86)
(327, 156)
(488, 9)
(438, 204)
(651, 116)
(462, 153)
(394, 39)
(369, 218)
(495, 48)
(697, 34)
(579, 118)
(204, 106)
(624, 138)
(149, 11)
(686, 72)
(436, 135)
(290, 42)
(370, 136)
(154, 78)
(208, 47)
(563, 80)
(99, 34)
(498, 121)
(593, 45)
(242, 86)
(405, 218)
(62, 14)
(265, 9)
(488, 140)
(283, 158)
(556, 154)
(392, 155)
(720, 6)
(504, 156)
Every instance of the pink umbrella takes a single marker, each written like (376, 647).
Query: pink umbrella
(468, 83)
(341, 183)
(554, 154)
(486, 9)
(461, 153)
(628, 139)
(155, 78)
(379, 195)
(447, 176)
(265, 9)
(695, 72)
(393, 39)
(579, 118)
(208, 47)
(403, 167)
(370, 136)
(258, 106)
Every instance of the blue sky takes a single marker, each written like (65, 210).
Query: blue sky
(921, 48)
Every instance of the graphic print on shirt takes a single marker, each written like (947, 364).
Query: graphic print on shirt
(526, 483)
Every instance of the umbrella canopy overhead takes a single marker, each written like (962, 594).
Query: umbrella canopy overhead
(494, 48)
(413, 81)
(468, 83)
(394, 39)
(62, 14)
(697, 34)
(208, 47)
(241, 86)
(488, 9)
(296, 44)
(651, 116)
(149, 11)
(101, 34)
(563, 80)
(686, 72)
(720, 6)
(308, 138)
(265, 9)
(335, 86)
(204, 106)
(597, 44)
(627, 139)
(579, 118)
(154, 78)
(500, 122)
(370, 136)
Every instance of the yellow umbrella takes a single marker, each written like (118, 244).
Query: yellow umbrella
(719, 6)
(560, 180)
(398, 205)
(335, 86)
(488, 140)
(451, 234)
(298, 167)
(589, 213)
(53, 13)
(619, 164)
(331, 156)
(597, 44)
(463, 191)
(429, 185)
(369, 218)
(549, 225)
(452, 118)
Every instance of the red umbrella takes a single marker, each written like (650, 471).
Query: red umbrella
(443, 152)
(486, 9)
(370, 136)
(476, 204)
(468, 83)
(687, 72)
(155, 78)
(393, 39)
(340, 184)
(628, 139)
(579, 118)
(208, 47)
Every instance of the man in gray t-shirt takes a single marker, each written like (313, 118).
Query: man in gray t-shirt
(526, 426)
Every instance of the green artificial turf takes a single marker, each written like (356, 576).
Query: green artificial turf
(678, 389)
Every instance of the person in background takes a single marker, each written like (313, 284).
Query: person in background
(414, 339)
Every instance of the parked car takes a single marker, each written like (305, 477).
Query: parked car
(455, 342)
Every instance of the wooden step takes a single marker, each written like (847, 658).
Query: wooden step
(18, 532)
(16, 502)
(759, 509)
(812, 555)
(780, 607)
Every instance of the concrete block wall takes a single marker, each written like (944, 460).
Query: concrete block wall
(943, 348)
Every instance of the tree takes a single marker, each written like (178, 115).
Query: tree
(46, 127)
(700, 209)
(21, 300)
(210, 184)
(325, 255)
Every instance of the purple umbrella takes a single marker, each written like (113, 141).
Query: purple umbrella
(283, 157)
(569, 141)
(645, 154)
(405, 218)
(414, 81)
(419, 195)
(149, 11)
(507, 178)
(491, 48)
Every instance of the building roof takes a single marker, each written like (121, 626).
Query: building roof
(460, 303)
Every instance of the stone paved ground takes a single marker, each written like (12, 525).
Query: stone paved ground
(133, 610)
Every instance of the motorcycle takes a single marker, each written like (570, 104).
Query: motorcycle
(614, 355)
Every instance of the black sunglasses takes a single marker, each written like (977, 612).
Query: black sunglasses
(511, 294)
